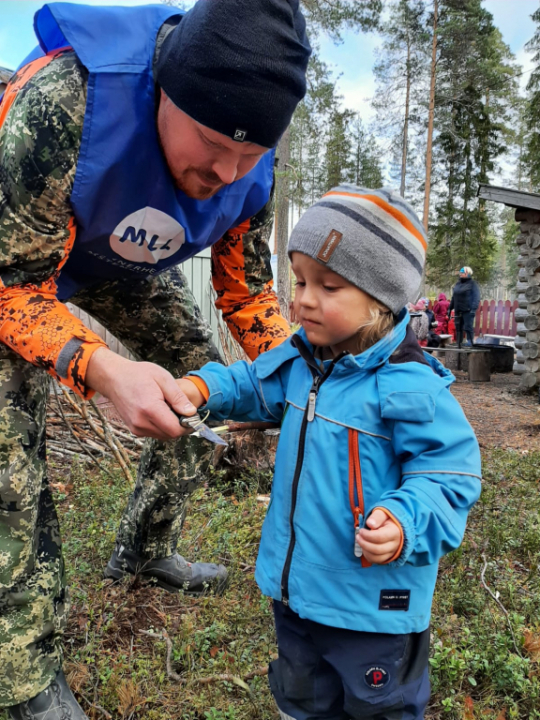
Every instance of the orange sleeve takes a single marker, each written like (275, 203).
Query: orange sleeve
(402, 539)
(242, 279)
(39, 328)
(33, 322)
(201, 386)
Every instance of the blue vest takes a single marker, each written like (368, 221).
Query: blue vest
(132, 221)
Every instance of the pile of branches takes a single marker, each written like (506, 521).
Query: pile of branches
(79, 428)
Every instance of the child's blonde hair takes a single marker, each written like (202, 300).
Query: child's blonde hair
(381, 322)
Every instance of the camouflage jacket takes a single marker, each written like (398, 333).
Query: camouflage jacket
(41, 121)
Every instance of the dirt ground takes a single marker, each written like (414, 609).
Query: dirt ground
(501, 415)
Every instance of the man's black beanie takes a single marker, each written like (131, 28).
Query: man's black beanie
(238, 66)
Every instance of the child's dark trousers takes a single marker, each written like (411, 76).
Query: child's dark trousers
(327, 673)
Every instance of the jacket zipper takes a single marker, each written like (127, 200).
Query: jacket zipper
(309, 415)
(355, 483)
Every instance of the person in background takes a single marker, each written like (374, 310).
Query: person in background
(376, 467)
(440, 308)
(452, 325)
(464, 303)
(429, 312)
(420, 321)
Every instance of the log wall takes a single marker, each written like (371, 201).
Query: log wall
(527, 316)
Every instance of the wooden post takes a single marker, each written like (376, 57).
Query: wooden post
(282, 222)
(431, 113)
(479, 366)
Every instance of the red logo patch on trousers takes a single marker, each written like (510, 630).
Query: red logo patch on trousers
(376, 677)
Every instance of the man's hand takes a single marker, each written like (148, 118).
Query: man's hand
(381, 542)
(143, 394)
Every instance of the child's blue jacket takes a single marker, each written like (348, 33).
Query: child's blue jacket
(391, 407)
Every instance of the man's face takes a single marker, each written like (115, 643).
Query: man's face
(201, 160)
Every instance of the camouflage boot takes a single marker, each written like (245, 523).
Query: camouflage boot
(56, 702)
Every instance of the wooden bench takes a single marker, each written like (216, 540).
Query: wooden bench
(478, 361)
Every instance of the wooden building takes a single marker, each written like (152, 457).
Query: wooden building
(527, 315)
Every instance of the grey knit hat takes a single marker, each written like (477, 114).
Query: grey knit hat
(372, 238)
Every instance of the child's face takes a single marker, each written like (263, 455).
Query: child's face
(330, 309)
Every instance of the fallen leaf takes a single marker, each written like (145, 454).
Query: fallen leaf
(241, 683)
(531, 645)
(468, 710)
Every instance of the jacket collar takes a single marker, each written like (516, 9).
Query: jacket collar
(374, 356)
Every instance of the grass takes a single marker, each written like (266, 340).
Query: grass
(476, 671)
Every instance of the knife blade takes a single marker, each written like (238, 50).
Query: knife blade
(200, 429)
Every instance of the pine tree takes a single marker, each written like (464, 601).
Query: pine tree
(338, 149)
(472, 124)
(532, 110)
(330, 17)
(333, 16)
(366, 163)
(401, 72)
(309, 134)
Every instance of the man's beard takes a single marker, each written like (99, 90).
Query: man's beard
(193, 182)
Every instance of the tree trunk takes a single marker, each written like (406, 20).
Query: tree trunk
(282, 222)
(429, 150)
(406, 122)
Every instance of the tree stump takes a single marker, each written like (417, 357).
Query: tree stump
(479, 367)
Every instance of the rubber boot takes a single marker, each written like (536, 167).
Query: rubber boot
(56, 702)
(172, 573)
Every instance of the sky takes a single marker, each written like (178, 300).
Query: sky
(352, 61)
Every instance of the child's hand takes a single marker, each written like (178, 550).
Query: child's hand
(194, 395)
(381, 542)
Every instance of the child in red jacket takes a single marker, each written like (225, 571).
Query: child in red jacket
(441, 313)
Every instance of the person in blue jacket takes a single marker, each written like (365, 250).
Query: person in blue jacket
(376, 468)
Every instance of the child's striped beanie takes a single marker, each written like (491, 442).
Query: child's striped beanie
(372, 238)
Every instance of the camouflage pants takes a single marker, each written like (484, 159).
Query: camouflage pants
(158, 320)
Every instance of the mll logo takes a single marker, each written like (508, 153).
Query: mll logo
(147, 235)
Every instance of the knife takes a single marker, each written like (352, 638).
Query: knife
(199, 427)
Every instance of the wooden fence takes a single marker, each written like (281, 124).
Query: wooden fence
(496, 317)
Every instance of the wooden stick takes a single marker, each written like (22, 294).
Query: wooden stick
(255, 425)
(79, 443)
(115, 445)
(226, 677)
(499, 603)
(103, 434)
(96, 707)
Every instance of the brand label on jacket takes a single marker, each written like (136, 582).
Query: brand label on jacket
(395, 600)
(147, 235)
